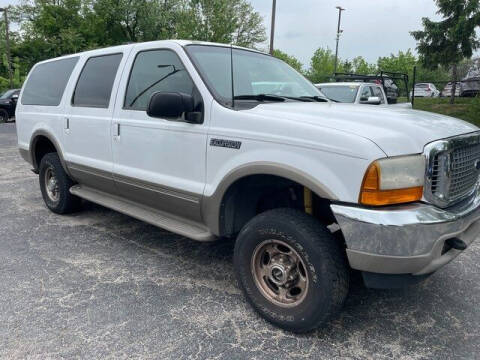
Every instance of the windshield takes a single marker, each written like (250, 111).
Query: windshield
(253, 74)
(343, 94)
(8, 94)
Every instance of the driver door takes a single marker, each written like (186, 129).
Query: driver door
(159, 163)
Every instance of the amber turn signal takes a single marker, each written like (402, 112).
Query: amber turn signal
(372, 195)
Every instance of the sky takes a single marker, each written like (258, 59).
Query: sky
(371, 28)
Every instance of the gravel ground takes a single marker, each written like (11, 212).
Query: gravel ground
(98, 284)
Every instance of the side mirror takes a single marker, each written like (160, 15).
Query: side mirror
(171, 105)
(373, 100)
(14, 97)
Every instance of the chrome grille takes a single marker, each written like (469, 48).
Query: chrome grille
(452, 172)
(463, 174)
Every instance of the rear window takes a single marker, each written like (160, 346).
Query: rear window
(95, 83)
(47, 82)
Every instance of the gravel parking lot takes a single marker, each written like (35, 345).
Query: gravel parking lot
(99, 284)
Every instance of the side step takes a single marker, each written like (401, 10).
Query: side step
(155, 217)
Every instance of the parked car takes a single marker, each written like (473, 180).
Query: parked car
(8, 103)
(356, 93)
(425, 90)
(175, 134)
(447, 90)
(383, 79)
(391, 89)
(471, 86)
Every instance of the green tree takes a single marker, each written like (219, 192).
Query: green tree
(403, 62)
(289, 59)
(51, 28)
(322, 66)
(449, 41)
(223, 21)
(361, 66)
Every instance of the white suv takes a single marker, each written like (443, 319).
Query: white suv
(210, 141)
(425, 90)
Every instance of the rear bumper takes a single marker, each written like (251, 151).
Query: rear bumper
(408, 239)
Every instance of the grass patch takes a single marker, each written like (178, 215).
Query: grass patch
(467, 109)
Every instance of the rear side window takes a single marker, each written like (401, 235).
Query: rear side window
(47, 82)
(95, 83)
(379, 93)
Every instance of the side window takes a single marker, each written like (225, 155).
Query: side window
(154, 71)
(94, 86)
(366, 93)
(47, 82)
(377, 91)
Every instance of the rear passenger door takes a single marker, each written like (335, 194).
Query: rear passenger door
(88, 117)
(159, 162)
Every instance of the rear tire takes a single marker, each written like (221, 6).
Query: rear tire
(4, 116)
(320, 269)
(55, 185)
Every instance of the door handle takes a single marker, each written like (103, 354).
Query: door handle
(67, 125)
(116, 133)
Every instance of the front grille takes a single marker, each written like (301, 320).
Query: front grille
(464, 173)
(452, 172)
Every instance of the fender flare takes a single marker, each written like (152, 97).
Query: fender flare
(211, 205)
(33, 142)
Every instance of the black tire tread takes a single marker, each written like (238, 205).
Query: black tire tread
(3, 119)
(337, 267)
(68, 203)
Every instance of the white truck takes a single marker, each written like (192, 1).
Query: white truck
(359, 93)
(211, 141)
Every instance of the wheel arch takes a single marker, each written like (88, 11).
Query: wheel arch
(213, 207)
(41, 143)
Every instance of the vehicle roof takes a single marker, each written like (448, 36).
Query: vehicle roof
(153, 43)
(352, 83)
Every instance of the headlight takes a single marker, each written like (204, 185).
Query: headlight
(393, 181)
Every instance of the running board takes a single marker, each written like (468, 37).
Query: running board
(154, 217)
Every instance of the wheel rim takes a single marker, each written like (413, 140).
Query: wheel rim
(51, 185)
(279, 273)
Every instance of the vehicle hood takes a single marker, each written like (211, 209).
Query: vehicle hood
(396, 130)
(4, 102)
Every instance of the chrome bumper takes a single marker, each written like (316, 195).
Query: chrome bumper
(407, 239)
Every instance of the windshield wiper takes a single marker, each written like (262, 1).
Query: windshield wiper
(316, 98)
(260, 97)
(279, 98)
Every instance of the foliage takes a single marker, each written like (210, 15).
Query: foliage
(474, 110)
(403, 62)
(51, 28)
(467, 109)
(224, 21)
(361, 66)
(290, 60)
(322, 66)
(452, 39)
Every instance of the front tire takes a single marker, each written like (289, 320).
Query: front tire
(292, 270)
(55, 185)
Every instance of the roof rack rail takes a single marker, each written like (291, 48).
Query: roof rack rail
(379, 77)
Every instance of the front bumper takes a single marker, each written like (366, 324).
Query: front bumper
(407, 239)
